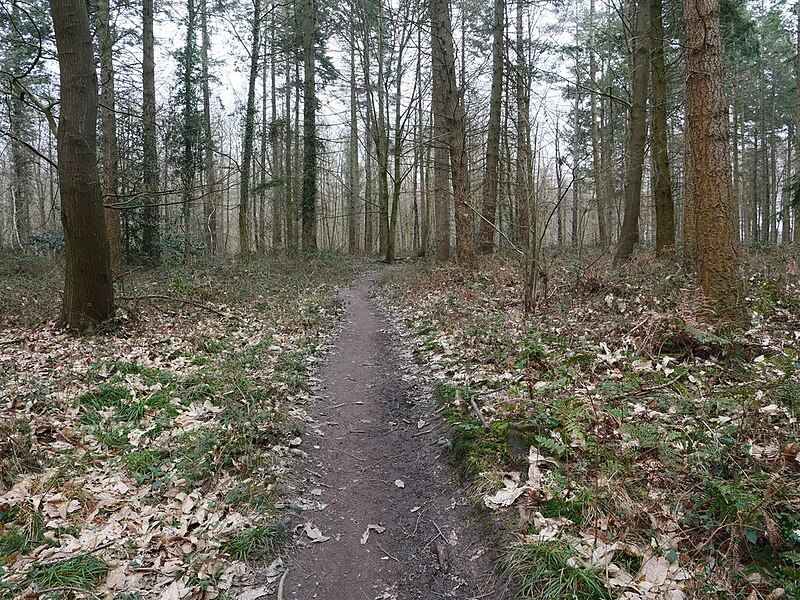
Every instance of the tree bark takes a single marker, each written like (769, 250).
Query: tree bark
(796, 207)
(441, 157)
(249, 127)
(88, 288)
(189, 127)
(352, 170)
(637, 135)
(110, 149)
(709, 187)
(275, 129)
(662, 189)
(489, 204)
(309, 192)
(210, 192)
(150, 215)
(602, 198)
(523, 162)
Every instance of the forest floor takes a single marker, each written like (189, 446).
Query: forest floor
(282, 429)
(634, 450)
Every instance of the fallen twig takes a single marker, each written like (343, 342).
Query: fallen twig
(394, 558)
(169, 299)
(280, 584)
(475, 408)
(647, 390)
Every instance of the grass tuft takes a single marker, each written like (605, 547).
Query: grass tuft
(549, 570)
(258, 542)
(84, 571)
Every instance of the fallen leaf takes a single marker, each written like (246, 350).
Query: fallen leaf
(314, 534)
(371, 527)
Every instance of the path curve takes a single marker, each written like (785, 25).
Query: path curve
(375, 460)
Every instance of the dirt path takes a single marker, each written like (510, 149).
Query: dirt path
(375, 461)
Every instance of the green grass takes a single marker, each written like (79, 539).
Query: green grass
(84, 571)
(549, 571)
(18, 539)
(258, 541)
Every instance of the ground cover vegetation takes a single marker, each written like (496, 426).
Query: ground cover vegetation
(153, 460)
(634, 450)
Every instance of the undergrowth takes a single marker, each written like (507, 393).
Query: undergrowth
(176, 424)
(663, 433)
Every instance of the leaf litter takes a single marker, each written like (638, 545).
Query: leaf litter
(661, 451)
(154, 449)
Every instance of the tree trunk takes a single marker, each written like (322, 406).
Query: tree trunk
(737, 183)
(637, 135)
(88, 289)
(369, 236)
(352, 170)
(424, 160)
(441, 134)
(289, 196)
(110, 149)
(309, 193)
(796, 207)
(210, 193)
(275, 129)
(489, 205)
(662, 189)
(709, 189)
(190, 130)
(150, 215)
(603, 200)
(249, 127)
(576, 147)
(521, 229)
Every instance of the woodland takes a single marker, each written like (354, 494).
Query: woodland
(578, 222)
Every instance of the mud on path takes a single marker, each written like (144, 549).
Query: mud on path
(375, 461)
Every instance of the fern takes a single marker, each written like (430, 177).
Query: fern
(554, 447)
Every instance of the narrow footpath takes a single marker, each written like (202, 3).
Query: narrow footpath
(397, 525)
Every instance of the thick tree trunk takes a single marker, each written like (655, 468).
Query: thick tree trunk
(441, 157)
(489, 205)
(637, 135)
(150, 227)
(521, 225)
(110, 149)
(88, 288)
(451, 104)
(309, 193)
(708, 189)
(662, 189)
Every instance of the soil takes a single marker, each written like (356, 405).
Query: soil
(378, 458)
